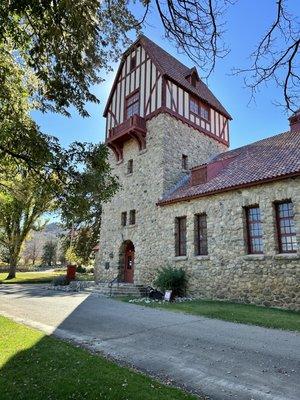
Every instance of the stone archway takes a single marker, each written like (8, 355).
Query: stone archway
(127, 262)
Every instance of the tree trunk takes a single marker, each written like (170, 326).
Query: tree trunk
(13, 260)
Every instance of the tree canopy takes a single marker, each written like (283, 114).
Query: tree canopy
(69, 44)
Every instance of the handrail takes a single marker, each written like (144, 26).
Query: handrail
(110, 284)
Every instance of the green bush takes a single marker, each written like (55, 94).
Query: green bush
(80, 269)
(174, 279)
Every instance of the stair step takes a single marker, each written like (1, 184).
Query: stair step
(121, 289)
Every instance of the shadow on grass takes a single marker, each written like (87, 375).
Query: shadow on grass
(53, 369)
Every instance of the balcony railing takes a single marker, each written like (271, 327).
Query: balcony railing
(134, 123)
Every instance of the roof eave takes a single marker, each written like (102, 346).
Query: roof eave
(228, 189)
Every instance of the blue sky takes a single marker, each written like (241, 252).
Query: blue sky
(246, 23)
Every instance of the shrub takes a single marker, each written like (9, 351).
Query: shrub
(174, 279)
(80, 269)
(62, 280)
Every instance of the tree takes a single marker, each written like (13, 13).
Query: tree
(49, 253)
(32, 251)
(66, 44)
(23, 200)
(82, 207)
(68, 49)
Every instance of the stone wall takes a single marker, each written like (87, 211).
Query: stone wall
(228, 272)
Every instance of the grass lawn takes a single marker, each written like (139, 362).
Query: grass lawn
(40, 277)
(30, 277)
(34, 366)
(244, 313)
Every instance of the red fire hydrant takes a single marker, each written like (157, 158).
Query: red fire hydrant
(71, 272)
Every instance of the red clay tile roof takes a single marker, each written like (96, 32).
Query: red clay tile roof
(266, 160)
(177, 71)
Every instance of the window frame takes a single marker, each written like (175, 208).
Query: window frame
(132, 63)
(137, 101)
(184, 162)
(124, 218)
(197, 235)
(130, 166)
(250, 236)
(132, 217)
(179, 243)
(200, 106)
(281, 234)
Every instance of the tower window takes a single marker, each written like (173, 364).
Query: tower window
(124, 218)
(132, 217)
(180, 236)
(194, 80)
(132, 104)
(184, 162)
(200, 235)
(286, 231)
(254, 230)
(199, 109)
(130, 167)
(132, 63)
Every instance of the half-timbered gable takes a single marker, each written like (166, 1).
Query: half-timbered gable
(150, 81)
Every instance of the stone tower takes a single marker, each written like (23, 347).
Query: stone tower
(162, 120)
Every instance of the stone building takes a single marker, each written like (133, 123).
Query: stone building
(230, 218)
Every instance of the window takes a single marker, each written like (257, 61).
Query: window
(132, 63)
(194, 106)
(199, 109)
(194, 80)
(124, 218)
(133, 104)
(180, 236)
(286, 231)
(132, 217)
(130, 167)
(254, 230)
(200, 235)
(184, 161)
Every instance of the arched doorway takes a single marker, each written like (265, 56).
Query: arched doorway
(127, 261)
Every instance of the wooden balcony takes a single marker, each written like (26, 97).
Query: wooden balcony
(133, 128)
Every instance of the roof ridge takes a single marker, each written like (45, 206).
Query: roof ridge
(165, 51)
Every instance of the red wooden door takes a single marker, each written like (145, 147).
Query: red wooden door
(129, 263)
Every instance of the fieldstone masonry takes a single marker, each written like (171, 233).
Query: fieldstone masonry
(227, 272)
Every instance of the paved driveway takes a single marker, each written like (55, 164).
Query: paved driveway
(220, 359)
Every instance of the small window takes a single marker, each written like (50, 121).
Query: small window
(254, 230)
(184, 162)
(124, 218)
(130, 167)
(286, 231)
(199, 109)
(132, 217)
(200, 235)
(133, 104)
(180, 236)
(132, 63)
(194, 80)
(193, 106)
(204, 113)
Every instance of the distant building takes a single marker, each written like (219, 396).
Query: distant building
(230, 218)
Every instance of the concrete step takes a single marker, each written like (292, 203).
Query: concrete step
(121, 289)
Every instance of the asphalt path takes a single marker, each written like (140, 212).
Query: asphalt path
(219, 359)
